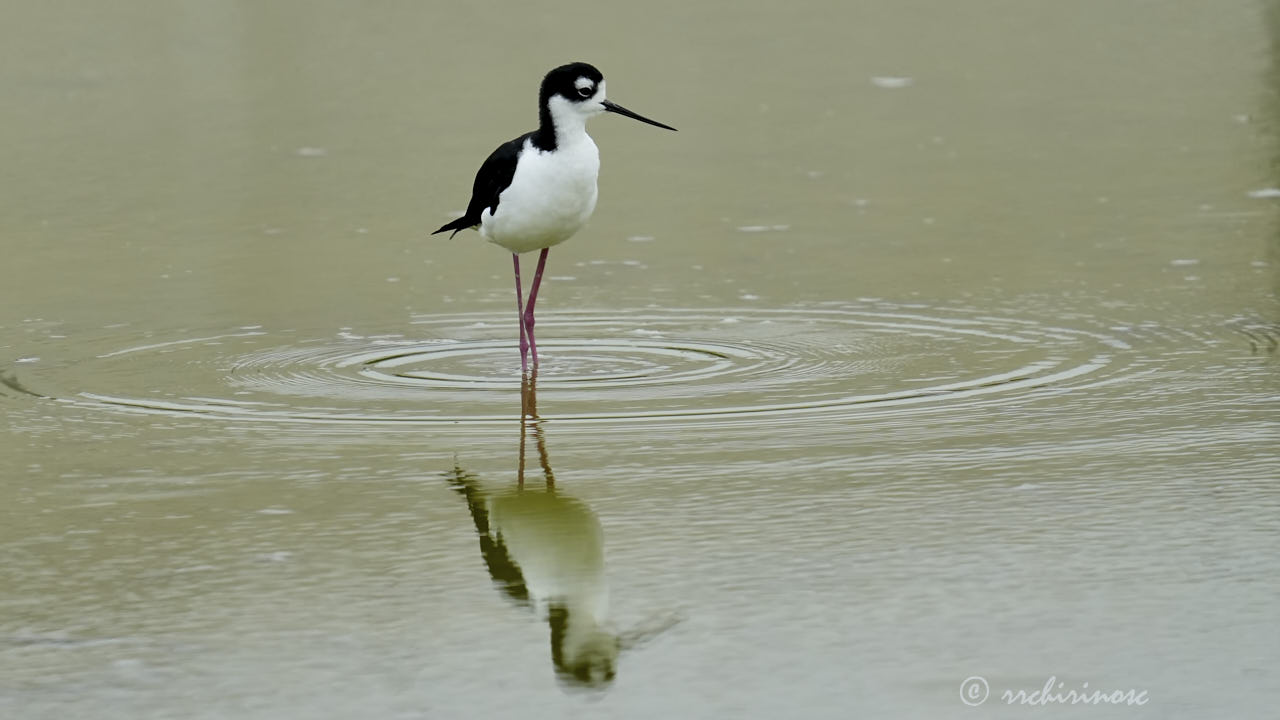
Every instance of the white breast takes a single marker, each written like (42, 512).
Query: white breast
(550, 197)
(557, 542)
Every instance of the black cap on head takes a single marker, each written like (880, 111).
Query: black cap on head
(563, 81)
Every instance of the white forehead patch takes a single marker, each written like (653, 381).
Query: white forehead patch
(583, 83)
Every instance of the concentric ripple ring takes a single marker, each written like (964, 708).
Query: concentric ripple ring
(732, 364)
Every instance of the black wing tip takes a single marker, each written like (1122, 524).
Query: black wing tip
(456, 226)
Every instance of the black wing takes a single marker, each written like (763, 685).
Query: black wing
(503, 569)
(494, 177)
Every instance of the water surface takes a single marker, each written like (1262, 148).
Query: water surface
(940, 342)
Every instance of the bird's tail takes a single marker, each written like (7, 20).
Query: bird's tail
(456, 226)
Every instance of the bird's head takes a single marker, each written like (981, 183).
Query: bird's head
(574, 92)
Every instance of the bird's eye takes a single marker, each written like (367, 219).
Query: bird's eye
(585, 92)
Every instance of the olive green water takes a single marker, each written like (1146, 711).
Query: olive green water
(940, 342)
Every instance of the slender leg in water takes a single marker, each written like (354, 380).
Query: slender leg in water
(524, 344)
(533, 298)
(528, 415)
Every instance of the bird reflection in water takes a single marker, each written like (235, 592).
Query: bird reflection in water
(545, 550)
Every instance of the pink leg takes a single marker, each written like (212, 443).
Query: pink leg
(533, 298)
(524, 344)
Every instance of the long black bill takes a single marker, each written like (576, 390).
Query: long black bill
(616, 108)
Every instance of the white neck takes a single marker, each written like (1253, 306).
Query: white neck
(569, 120)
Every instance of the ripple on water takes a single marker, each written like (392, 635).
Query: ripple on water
(724, 365)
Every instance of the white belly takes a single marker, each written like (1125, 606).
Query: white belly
(557, 542)
(550, 197)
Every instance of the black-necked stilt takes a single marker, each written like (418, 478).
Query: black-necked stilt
(539, 189)
(545, 549)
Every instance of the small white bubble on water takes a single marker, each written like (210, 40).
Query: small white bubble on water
(275, 511)
(306, 151)
(28, 360)
(1265, 193)
(277, 556)
(891, 82)
(1184, 262)
(640, 238)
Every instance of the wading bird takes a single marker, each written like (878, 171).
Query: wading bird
(537, 190)
(544, 550)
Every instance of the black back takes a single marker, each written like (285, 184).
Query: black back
(503, 569)
(494, 177)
